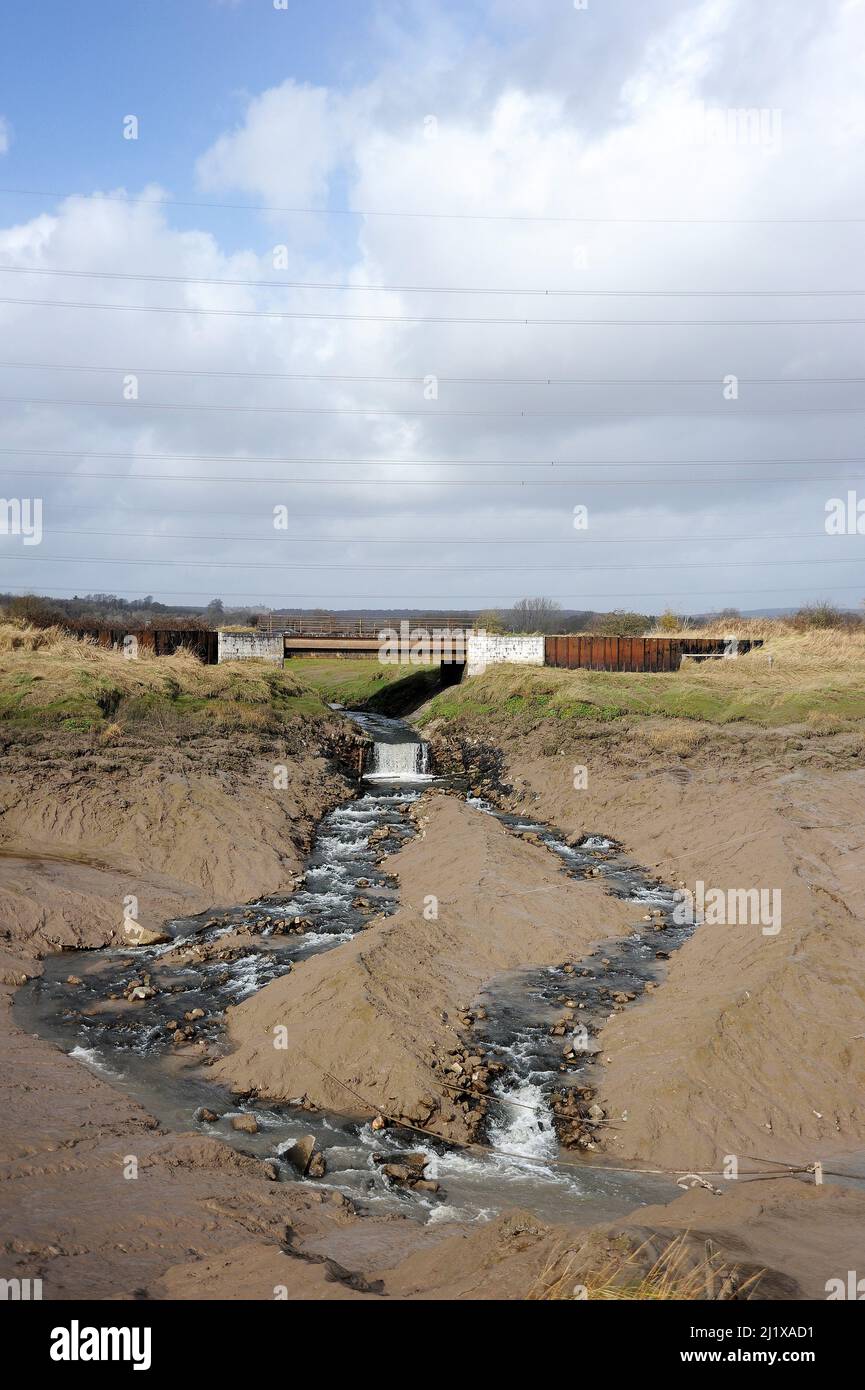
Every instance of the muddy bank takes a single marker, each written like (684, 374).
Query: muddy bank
(203, 1220)
(382, 1012)
(98, 1201)
(754, 1044)
(764, 1241)
(180, 827)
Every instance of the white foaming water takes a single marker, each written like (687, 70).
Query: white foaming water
(400, 762)
(528, 1127)
(93, 1059)
(653, 894)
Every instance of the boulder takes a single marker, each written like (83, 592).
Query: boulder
(416, 1161)
(247, 1124)
(399, 1173)
(145, 936)
(300, 1153)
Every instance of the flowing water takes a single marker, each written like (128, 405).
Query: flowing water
(221, 956)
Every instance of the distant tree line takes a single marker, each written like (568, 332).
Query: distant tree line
(95, 611)
(544, 615)
(527, 615)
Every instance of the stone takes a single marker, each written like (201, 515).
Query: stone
(271, 1169)
(73, 980)
(400, 1174)
(301, 1151)
(317, 1165)
(246, 1124)
(379, 1122)
(146, 936)
(417, 1161)
(205, 1116)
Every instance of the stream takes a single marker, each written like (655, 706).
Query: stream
(220, 957)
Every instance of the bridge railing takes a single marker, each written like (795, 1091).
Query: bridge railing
(328, 626)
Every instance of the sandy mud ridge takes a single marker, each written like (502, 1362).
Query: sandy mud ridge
(754, 1043)
(386, 1013)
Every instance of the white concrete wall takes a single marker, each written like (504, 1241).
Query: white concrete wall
(250, 646)
(492, 649)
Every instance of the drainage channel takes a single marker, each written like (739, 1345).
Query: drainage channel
(155, 1046)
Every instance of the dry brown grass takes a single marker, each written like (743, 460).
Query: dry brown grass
(47, 676)
(673, 1275)
(678, 737)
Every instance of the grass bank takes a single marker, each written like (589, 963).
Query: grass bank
(49, 679)
(815, 678)
(365, 683)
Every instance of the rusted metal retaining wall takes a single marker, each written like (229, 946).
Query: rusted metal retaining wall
(594, 653)
(161, 641)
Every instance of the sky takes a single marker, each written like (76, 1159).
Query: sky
(432, 305)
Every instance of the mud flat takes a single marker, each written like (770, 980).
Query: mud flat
(181, 827)
(81, 827)
(755, 1043)
(381, 1013)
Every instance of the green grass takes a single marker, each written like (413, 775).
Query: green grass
(809, 676)
(51, 680)
(366, 683)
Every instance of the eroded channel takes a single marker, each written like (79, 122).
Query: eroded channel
(540, 1024)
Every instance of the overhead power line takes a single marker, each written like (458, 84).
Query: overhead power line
(429, 318)
(387, 519)
(427, 483)
(119, 369)
(574, 538)
(356, 599)
(438, 216)
(413, 564)
(348, 287)
(483, 483)
(731, 409)
(426, 463)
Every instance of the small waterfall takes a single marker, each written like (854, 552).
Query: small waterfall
(528, 1129)
(399, 762)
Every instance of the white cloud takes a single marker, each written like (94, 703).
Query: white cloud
(292, 139)
(505, 143)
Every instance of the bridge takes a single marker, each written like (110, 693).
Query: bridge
(457, 644)
(420, 641)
